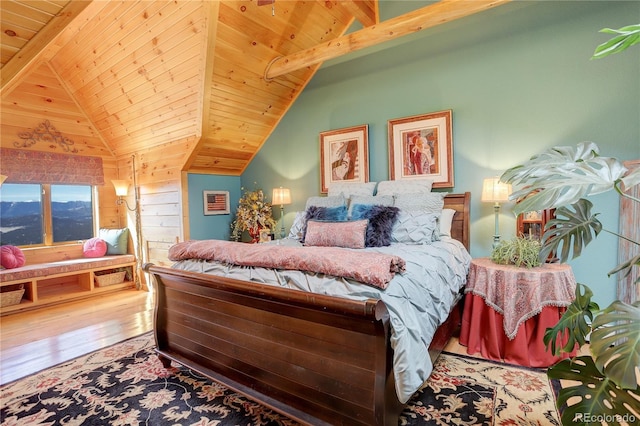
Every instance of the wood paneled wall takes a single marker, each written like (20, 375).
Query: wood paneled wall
(628, 290)
(163, 198)
(43, 96)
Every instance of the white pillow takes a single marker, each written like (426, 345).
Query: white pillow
(432, 202)
(415, 227)
(393, 187)
(331, 201)
(446, 218)
(351, 188)
(298, 225)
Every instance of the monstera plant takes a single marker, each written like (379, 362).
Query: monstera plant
(606, 388)
(563, 178)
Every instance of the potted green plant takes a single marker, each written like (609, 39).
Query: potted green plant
(522, 251)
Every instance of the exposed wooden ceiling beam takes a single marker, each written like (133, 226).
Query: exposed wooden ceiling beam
(412, 22)
(365, 11)
(48, 41)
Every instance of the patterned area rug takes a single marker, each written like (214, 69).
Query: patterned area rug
(126, 385)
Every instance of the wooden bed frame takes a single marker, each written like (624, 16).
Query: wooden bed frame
(316, 359)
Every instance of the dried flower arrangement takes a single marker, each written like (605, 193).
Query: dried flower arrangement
(253, 214)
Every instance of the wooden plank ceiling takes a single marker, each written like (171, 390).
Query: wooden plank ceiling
(122, 77)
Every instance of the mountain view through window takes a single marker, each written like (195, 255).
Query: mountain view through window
(23, 217)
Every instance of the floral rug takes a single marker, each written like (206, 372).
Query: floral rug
(126, 384)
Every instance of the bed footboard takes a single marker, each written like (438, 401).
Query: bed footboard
(314, 358)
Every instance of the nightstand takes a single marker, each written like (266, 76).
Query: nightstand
(508, 309)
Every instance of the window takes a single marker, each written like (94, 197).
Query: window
(33, 214)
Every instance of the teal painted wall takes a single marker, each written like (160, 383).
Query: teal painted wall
(211, 226)
(518, 79)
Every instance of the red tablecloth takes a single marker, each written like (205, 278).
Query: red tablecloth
(507, 310)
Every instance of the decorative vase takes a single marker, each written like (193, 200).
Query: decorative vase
(254, 233)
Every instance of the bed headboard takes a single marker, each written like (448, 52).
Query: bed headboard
(461, 221)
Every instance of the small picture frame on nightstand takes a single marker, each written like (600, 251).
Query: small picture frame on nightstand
(265, 235)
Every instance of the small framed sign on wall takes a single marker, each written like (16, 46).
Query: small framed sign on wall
(216, 202)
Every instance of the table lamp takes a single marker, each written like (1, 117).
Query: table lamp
(496, 192)
(281, 196)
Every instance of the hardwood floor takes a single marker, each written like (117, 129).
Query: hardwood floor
(34, 340)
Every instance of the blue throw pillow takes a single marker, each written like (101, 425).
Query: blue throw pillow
(381, 221)
(331, 214)
(117, 240)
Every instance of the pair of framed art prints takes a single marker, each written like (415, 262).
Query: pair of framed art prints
(420, 146)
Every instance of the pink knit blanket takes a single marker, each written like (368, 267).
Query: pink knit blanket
(376, 269)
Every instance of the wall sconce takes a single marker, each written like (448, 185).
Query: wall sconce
(281, 196)
(2, 179)
(496, 192)
(122, 188)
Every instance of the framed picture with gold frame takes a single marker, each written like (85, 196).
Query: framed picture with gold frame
(344, 156)
(421, 147)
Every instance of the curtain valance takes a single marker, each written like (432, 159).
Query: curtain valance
(24, 166)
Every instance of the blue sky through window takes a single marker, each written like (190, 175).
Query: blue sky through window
(61, 193)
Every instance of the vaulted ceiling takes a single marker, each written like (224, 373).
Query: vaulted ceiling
(209, 78)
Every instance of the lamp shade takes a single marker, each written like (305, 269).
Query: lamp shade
(494, 191)
(2, 179)
(281, 196)
(121, 186)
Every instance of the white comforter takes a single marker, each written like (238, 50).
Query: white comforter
(418, 300)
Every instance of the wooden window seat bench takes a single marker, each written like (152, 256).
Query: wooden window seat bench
(63, 280)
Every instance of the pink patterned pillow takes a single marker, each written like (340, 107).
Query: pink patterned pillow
(348, 234)
(11, 257)
(94, 247)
